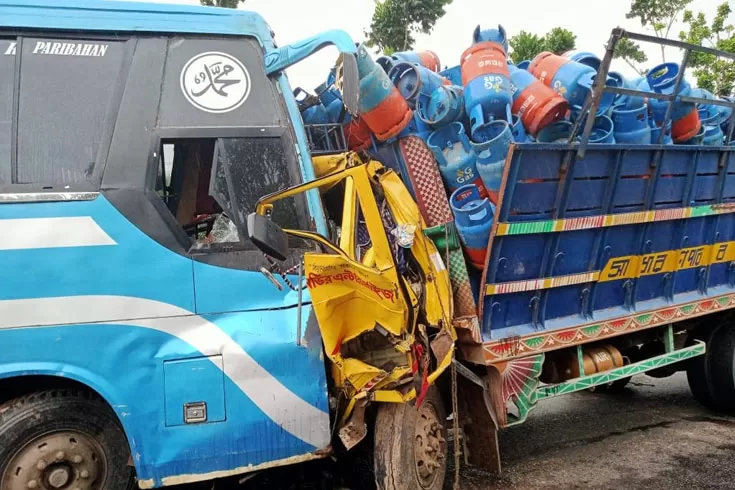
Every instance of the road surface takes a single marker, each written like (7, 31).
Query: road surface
(651, 436)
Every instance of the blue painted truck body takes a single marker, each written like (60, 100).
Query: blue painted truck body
(624, 230)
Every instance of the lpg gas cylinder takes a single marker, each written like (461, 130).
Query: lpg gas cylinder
(631, 125)
(473, 216)
(491, 35)
(697, 139)
(445, 105)
(656, 133)
(523, 65)
(685, 123)
(453, 153)
(311, 108)
(331, 99)
(518, 131)
(570, 79)
(486, 82)
(357, 133)
(536, 104)
(415, 82)
(584, 57)
(381, 105)
(602, 131)
(557, 132)
(713, 135)
(453, 74)
(490, 142)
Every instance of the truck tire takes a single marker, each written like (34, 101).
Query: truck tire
(410, 445)
(711, 377)
(61, 439)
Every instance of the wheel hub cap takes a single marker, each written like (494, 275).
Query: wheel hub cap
(66, 460)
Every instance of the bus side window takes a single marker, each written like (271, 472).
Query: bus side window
(7, 74)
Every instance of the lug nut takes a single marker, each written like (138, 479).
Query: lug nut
(32, 484)
(84, 474)
(41, 465)
(60, 455)
(77, 459)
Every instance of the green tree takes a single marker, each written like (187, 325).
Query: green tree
(659, 15)
(631, 53)
(559, 40)
(525, 45)
(714, 74)
(395, 22)
(230, 4)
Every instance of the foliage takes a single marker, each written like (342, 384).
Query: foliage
(713, 74)
(659, 15)
(631, 52)
(230, 4)
(525, 45)
(395, 22)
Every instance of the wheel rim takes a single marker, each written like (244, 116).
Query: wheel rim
(63, 460)
(429, 446)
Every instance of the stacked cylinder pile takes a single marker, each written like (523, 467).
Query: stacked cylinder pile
(469, 114)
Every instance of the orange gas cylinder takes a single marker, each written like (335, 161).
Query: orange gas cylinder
(382, 107)
(358, 134)
(486, 82)
(430, 60)
(687, 127)
(536, 104)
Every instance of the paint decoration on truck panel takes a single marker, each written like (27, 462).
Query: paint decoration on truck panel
(604, 221)
(629, 267)
(521, 346)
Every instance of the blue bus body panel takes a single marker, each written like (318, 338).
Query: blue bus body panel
(104, 304)
(560, 258)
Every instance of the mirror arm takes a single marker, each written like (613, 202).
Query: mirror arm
(281, 58)
(318, 238)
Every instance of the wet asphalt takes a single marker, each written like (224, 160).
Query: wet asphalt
(653, 435)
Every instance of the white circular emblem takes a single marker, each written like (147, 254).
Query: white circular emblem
(215, 82)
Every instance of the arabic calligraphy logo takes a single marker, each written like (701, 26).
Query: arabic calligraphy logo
(215, 82)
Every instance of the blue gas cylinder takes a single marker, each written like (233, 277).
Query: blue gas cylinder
(523, 65)
(453, 153)
(491, 35)
(631, 125)
(473, 216)
(656, 133)
(570, 79)
(584, 57)
(518, 131)
(713, 135)
(331, 99)
(490, 142)
(557, 132)
(311, 108)
(445, 106)
(415, 82)
(685, 123)
(486, 81)
(453, 74)
(602, 131)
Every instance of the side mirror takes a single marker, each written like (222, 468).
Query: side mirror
(267, 236)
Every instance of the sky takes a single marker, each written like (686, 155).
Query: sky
(591, 20)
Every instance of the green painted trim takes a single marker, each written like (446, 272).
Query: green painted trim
(580, 360)
(585, 382)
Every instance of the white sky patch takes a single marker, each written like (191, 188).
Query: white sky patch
(591, 21)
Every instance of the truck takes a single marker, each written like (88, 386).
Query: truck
(197, 285)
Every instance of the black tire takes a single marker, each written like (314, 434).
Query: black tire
(53, 414)
(711, 377)
(399, 439)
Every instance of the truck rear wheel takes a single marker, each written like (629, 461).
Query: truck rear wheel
(410, 445)
(711, 377)
(62, 439)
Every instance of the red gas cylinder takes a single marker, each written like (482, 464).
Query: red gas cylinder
(687, 127)
(536, 104)
(430, 60)
(358, 134)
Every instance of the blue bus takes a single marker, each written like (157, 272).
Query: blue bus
(138, 333)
